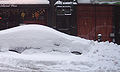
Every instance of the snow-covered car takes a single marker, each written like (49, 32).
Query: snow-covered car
(43, 49)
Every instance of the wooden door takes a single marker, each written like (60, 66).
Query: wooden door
(104, 22)
(93, 20)
(86, 21)
(63, 23)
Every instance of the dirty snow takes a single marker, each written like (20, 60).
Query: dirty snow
(43, 49)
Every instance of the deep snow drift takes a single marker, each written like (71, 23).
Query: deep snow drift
(43, 49)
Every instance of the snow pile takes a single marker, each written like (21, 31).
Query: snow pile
(46, 50)
(103, 57)
(40, 39)
(106, 56)
(24, 2)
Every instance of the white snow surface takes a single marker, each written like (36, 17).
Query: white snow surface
(43, 49)
(40, 37)
(84, 1)
(24, 2)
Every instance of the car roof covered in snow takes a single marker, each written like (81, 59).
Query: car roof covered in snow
(24, 2)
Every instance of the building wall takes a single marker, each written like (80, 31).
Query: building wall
(23, 14)
(86, 21)
(117, 23)
(93, 20)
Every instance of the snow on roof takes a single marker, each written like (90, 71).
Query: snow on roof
(60, 2)
(107, 2)
(84, 1)
(79, 1)
(24, 2)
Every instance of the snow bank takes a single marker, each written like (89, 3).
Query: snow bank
(106, 56)
(47, 50)
(38, 38)
(102, 57)
(24, 2)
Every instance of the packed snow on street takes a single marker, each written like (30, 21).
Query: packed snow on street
(37, 48)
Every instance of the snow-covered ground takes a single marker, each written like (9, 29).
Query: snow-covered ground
(43, 49)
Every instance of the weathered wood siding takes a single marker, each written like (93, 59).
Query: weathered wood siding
(93, 20)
